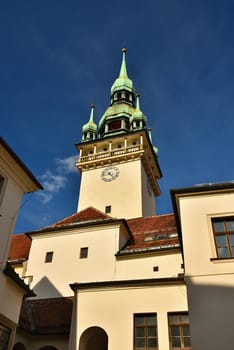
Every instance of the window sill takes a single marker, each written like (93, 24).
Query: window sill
(231, 258)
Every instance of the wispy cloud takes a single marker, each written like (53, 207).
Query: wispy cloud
(67, 165)
(55, 181)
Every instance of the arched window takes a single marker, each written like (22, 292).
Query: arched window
(94, 338)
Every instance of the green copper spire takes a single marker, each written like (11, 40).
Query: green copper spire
(138, 119)
(154, 147)
(89, 129)
(122, 82)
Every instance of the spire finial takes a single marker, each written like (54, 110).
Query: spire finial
(91, 112)
(123, 70)
(138, 101)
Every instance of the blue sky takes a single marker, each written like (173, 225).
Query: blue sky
(58, 57)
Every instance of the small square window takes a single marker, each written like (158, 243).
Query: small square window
(108, 209)
(49, 257)
(84, 253)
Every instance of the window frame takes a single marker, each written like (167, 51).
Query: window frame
(107, 209)
(227, 233)
(181, 335)
(84, 251)
(145, 326)
(49, 257)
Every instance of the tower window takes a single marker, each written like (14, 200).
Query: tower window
(49, 257)
(119, 95)
(84, 253)
(115, 125)
(127, 125)
(108, 209)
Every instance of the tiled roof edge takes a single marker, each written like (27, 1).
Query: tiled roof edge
(147, 250)
(20, 162)
(124, 283)
(10, 272)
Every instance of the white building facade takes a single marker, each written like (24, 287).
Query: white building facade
(15, 180)
(116, 275)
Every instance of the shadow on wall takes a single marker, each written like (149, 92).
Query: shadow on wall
(20, 346)
(45, 289)
(211, 314)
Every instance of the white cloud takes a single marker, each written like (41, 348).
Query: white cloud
(53, 182)
(45, 196)
(67, 165)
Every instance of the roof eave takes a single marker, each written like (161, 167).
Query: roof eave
(10, 272)
(20, 163)
(81, 225)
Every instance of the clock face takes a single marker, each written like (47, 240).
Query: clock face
(110, 173)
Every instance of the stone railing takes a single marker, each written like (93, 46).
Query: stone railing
(110, 153)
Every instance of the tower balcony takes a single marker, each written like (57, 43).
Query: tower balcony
(121, 149)
(131, 151)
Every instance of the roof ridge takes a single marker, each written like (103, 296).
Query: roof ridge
(73, 216)
(151, 217)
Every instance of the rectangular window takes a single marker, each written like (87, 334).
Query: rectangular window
(108, 209)
(84, 253)
(49, 257)
(5, 333)
(145, 331)
(223, 229)
(179, 331)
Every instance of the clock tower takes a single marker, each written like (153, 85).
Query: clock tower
(118, 163)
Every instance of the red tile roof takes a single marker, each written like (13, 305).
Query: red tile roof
(46, 316)
(149, 232)
(20, 247)
(88, 214)
(153, 232)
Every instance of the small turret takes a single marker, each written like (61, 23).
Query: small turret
(154, 147)
(89, 130)
(138, 119)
